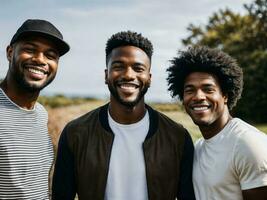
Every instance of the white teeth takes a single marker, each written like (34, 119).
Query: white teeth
(200, 108)
(128, 86)
(36, 71)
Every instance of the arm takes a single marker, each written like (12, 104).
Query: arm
(63, 186)
(185, 188)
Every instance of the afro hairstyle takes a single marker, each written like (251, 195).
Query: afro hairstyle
(205, 59)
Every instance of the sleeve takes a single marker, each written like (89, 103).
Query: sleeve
(185, 188)
(63, 186)
(250, 161)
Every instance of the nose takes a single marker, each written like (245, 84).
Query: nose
(129, 73)
(199, 95)
(39, 58)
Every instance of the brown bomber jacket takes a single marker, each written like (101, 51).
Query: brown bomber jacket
(84, 150)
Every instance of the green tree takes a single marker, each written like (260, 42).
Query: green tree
(245, 38)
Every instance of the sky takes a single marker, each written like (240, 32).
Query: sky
(86, 25)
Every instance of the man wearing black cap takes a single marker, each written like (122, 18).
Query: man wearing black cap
(26, 152)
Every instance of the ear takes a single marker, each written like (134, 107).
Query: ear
(225, 96)
(9, 51)
(106, 76)
(149, 81)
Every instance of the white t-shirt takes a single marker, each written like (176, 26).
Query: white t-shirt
(233, 160)
(127, 175)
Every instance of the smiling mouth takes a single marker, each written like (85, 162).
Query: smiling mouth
(36, 70)
(128, 88)
(200, 107)
(128, 85)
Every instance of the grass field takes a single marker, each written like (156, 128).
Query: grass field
(61, 110)
(262, 127)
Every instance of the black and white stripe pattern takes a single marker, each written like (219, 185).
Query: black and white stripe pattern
(26, 152)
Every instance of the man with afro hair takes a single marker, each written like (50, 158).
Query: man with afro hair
(125, 150)
(230, 161)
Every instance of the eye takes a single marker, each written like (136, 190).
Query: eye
(139, 68)
(209, 90)
(117, 67)
(29, 49)
(188, 90)
(52, 55)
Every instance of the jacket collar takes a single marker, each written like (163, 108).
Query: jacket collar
(153, 119)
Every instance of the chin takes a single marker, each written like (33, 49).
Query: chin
(201, 122)
(129, 103)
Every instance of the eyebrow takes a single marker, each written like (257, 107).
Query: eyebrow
(35, 45)
(121, 62)
(204, 85)
(116, 62)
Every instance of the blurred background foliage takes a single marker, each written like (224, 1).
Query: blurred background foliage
(244, 37)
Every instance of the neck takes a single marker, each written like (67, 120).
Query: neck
(22, 98)
(127, 115)
(210, 130)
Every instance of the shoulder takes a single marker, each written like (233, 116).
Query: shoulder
(199, 143)
(250, 153)
(40, 109)
(250, 157)
(76, 130)
(84, 120)
(168, 128)
(168, 122)
(249, 138)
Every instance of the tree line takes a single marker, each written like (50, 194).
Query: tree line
(244, 37)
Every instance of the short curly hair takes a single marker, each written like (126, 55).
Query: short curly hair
(126, 38)
(205, 59)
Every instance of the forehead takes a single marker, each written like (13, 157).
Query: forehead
(201, 78)
(129, 52)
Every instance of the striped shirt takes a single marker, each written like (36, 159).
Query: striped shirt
(26, 151)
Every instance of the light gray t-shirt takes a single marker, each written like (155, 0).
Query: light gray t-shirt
(233, 160)
(127, 175)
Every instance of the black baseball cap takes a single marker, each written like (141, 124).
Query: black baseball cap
(42, 28)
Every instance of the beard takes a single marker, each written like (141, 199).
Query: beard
(31, 87)
(201, 123)
(129, 104)
(27, 86)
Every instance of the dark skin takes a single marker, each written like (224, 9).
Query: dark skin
(202, 90)
(33, 64)
(124, 115)
(128, 76)
(205, 103)
(23, 99)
